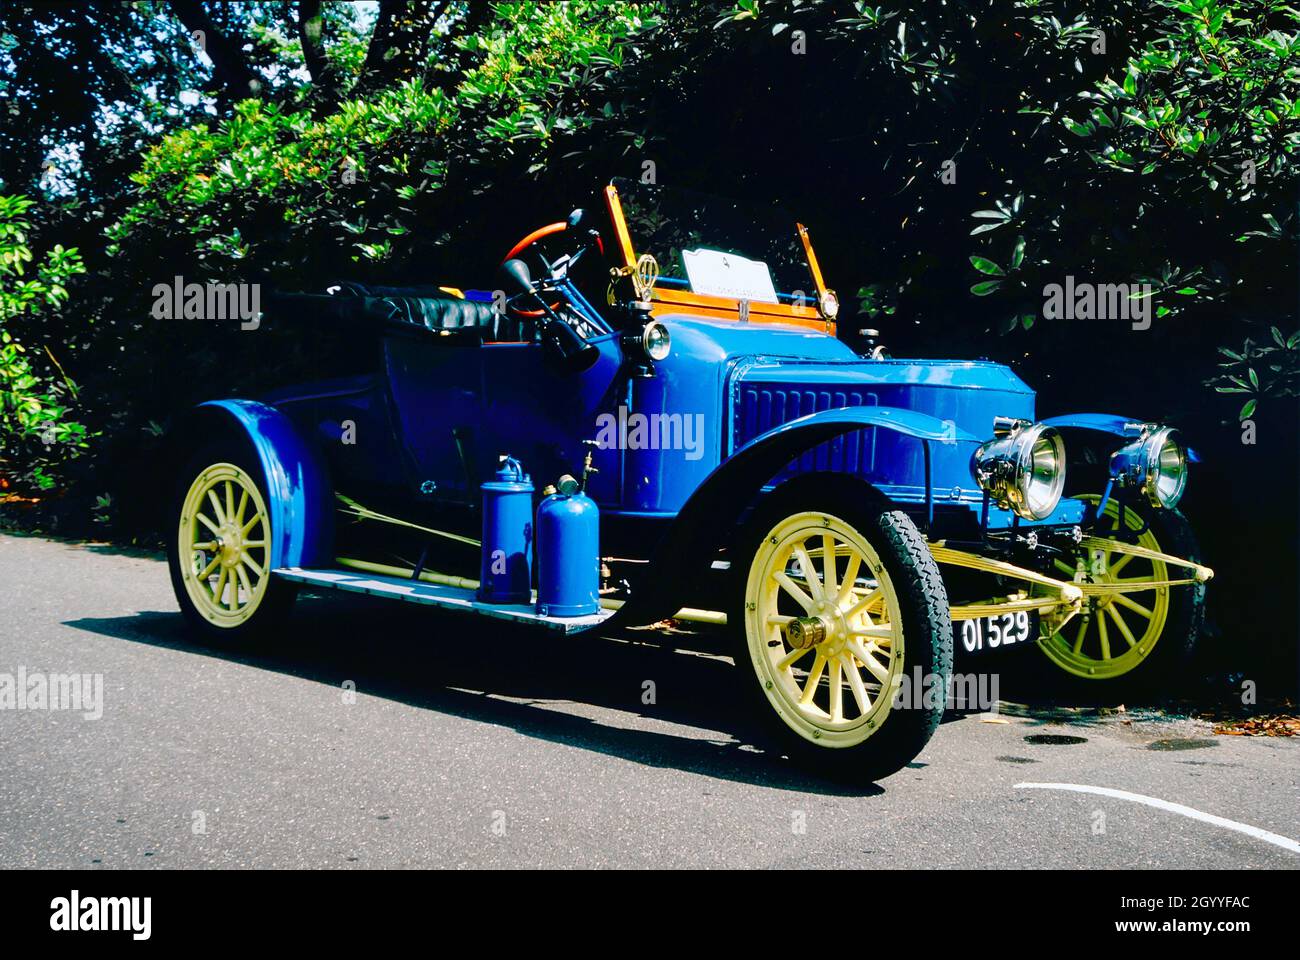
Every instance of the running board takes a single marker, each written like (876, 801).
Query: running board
(437, 595)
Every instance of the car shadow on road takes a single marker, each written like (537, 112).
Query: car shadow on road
(519, 678)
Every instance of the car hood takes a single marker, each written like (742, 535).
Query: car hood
(766, 392)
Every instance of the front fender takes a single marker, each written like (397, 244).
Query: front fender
(299, 494)
(686, 550)
(1104, 423)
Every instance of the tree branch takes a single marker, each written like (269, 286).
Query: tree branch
(477, 16)
(230, 68)
(324, 78)
(398, 42)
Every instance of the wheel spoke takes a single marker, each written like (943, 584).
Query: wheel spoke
(203, 575)
(243, 531)
(1133, 605)
(1120, 564)
(1064, 567)
(874, 666)
(828, 566)
(793, 657)
(1103, 636)
(794, 590)
(209, 546)
(255, 567)
(212, 527)
(862, 604)
(875, 633)
(243, 578)
(216, 506)
(230, 500)
(1123, 627)
(809, 573)
(814, 676)
(243, 503)
(850, 575)
(858, 690)
(220, 587)
(837, 692)
(1083, 631)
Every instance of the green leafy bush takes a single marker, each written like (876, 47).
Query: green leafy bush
(360, 185)
(291, 189)
(1184, 164)
(36, 432)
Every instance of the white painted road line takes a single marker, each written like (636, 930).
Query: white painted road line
(1286, 843)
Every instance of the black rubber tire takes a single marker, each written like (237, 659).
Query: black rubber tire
(927, 626)
(1164, 673)
(269, 617)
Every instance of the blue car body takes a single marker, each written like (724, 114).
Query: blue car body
(739, 464)
(425, 409)
(433, 401)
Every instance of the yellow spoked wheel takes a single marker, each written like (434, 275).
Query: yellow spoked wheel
(843, 605)
(223, 545)
(1116, 632)
(823, 627)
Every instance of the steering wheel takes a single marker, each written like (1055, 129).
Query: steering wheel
(541, 233)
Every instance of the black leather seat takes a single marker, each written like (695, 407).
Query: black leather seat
(435, 309)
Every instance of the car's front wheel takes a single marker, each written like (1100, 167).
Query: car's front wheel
(219, 550)
(846, 646)
(1138, 641)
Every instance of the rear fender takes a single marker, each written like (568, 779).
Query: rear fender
(705, 522)
(299, 493)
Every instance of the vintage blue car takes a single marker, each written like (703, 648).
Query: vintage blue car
(706, 448)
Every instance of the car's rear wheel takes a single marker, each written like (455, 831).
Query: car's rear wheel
(219, 550)
(842, 604)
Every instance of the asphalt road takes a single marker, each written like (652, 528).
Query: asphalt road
(466, 746)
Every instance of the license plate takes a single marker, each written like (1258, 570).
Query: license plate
(996, 632)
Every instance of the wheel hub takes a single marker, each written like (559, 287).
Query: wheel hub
(826, 628)
(805, 632)
(228, 544)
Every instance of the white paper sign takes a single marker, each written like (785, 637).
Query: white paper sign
(718, 274)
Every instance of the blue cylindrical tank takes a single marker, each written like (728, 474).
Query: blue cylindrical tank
(568, 556)
(505, 574)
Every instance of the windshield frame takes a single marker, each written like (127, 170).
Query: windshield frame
(672, 299)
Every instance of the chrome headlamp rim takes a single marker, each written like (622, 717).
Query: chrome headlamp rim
(649, 343)
(1056, 485)
(1009, 469)
(1154, 473)
(656, 340)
